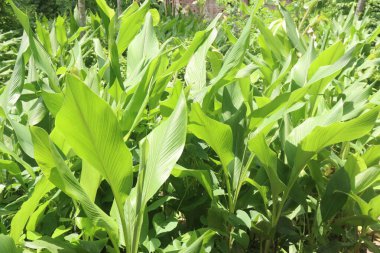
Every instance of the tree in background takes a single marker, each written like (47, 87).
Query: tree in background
(82, 12)
(119, 7)
(360, 7)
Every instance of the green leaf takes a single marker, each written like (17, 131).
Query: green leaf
(231, 62)
(374, 205)
(299, 71)
(273, 42)
(327, 57)
(152, 244)
(244, 218)
(323, 136)
(4, 149)
(326, 74)
(291, 31)
(53, 101)
(91, 129)
(196, 42)
(203, 177)
(372, 155)
(143, 48)
(130, 23)
(23, 137)
(334, 197)
(164, 224)
(159, 152)
(57, 172)
(196, 246)
(195, 75)
(109, 12)
(367, 178)
(140, 97)
(12, 169)
(162, 147)
(43, 186)
(214, 133)
(7, 244)
(41, 57)
(353, 129)
(90, 180)
(268, 158)
(302, 130)
(15, 85)
(60, 31)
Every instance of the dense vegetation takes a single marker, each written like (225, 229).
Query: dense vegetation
(257, 131)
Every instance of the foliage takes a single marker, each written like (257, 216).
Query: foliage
(129, 136)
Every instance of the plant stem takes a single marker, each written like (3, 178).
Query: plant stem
(267, 246)
(123, 224)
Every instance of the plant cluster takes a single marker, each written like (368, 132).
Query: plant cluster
(254, 138)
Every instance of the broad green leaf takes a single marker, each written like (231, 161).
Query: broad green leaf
(262, 189)
(203, 177)
(363, 205)
(276, 109)
(163, 224)
(155, 16)
(152, 244)
(326, 74)
(372, 155)
(12, 168)
(231, 62)
(60, 31)
(15, 85)
(163, 147)
(115, 79)
(216, 134)
(268, 158)
(195, 75)
(291, 31)
(42, 187)
(158, 203)
(302, 130)
(306, 127)
(196, 42)
(90, 180)
(334, 197)
(41, 57)
(56, 171)
(130, 23)
(374, 205)
(366, 178)
(37, 216)
(23, 137)
(7, 244)
(90, 127)
(109, 12)
(196, 246)
(327, 57)
(53, 101)
(167, 106)
(140, 96)
(299, 71)
(59, 245)
(4, 149)
(271, 41)
(323, 136)
(353, 129)
(159, 152)
(143, 47)
(244, 218)
(354, 165)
